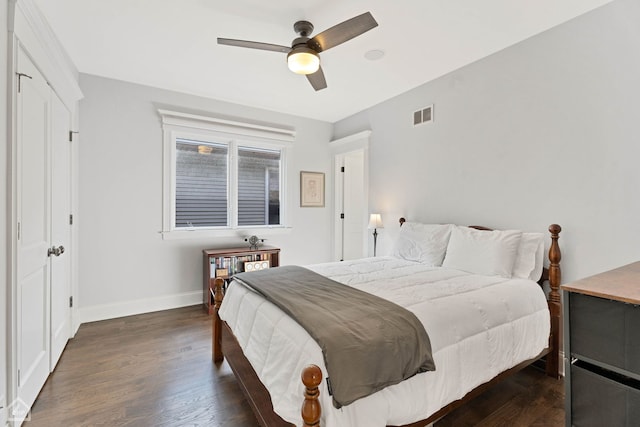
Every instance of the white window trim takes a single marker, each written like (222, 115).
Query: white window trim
(209, 129)
(235, 128)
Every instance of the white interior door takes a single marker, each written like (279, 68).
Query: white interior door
(60, 228)
(355, 206)
(351, 205)
(33, 206)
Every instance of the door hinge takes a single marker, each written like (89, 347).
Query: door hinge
(20, 75)
(71, 301)
(71, 132)
(70, 219)
(342, 169)
(341, 216)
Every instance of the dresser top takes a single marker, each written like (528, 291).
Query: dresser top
(621, 284)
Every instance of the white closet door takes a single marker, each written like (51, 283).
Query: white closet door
(60, 228)
(32, 309)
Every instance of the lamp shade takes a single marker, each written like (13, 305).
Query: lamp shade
(375, 221)
(303, 60)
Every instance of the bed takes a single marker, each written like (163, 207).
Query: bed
(482, 327)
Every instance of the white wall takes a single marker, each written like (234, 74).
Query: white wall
(124, 264)
(543, 132)
(4, 192)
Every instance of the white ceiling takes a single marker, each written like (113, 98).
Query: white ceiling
(171, 44)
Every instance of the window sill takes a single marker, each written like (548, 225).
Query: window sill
(194, 233)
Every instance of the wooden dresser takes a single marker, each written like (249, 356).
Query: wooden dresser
(602, 348)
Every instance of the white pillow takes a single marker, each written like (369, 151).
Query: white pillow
(489, 253)
(424, 243)
(536, 274)
(530, 258)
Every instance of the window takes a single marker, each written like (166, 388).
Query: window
(216, 180)
(201, 184)
(202, 171)
(258, 186)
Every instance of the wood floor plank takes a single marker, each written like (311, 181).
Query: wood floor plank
(155, 369)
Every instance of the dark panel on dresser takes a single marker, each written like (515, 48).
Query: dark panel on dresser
(601, 398)
(598, 329)
(632, 339)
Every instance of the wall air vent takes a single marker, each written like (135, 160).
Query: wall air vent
(424, 115)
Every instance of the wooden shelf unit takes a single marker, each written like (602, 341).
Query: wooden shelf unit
(226, 262)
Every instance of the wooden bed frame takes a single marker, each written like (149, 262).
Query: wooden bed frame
(226, 345)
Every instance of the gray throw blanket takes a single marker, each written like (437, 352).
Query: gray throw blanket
(368, 343)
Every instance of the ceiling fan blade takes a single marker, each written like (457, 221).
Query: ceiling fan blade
(343, 32)
(317, 80)
(254, 45)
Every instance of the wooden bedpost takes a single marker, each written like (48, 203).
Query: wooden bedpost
(218, 294)
(311, 378)
(553, 358)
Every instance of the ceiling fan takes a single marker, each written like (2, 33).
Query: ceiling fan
(303, 55)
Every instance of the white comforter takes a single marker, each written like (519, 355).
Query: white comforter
(479, 326)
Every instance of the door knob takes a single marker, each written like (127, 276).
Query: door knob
(55, 251)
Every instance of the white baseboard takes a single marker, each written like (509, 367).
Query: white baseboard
(129, 308)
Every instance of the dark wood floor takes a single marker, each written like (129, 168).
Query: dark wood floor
(155, 370)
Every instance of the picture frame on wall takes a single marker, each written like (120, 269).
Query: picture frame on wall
(311, 189)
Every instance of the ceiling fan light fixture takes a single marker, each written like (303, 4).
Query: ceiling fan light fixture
(303, 60)
(303, 57)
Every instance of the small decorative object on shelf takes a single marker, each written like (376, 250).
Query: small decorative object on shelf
(254, 242)
(256, 265)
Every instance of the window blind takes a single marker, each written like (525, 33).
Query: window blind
(258, 186)
(201, 184)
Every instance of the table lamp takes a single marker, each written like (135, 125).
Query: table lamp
(375, 222)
